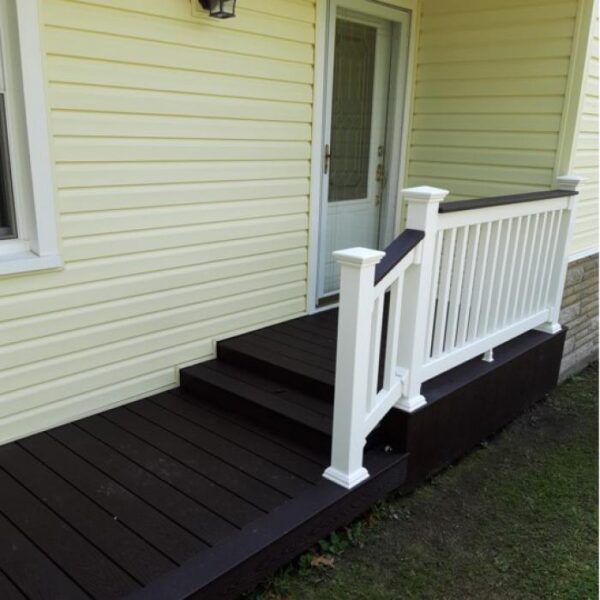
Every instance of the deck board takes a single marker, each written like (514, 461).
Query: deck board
(114, 505)
(262, 446)
(183, 494)
(9, 590)
(296, 332)
(137, 480)
(212, 482)
(244, 467)
(157, 529)
(187, 490)
(322, 352)
(260, 383)
(278, 438)
(90, 568)
(300, 350)
(35, 574)
(296, 362)
(112, 538)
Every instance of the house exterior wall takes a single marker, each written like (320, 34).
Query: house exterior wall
(182, 151)
(182, 155)
(585, 156)
(490, 90)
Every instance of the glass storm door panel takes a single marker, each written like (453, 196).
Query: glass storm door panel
(353, 185)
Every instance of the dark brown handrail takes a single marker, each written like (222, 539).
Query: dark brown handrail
(396, 251)
(501, 200)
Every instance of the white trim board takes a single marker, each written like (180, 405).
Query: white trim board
(37, 204)
(583, 254)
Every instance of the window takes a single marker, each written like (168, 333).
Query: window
(8, 229)
(28, 236)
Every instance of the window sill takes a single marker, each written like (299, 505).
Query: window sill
(25, 262)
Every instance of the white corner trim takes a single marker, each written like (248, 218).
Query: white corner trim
(316, 153)
(583, 254)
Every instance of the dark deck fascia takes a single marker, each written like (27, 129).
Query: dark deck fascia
(473, 402)
(239, 563)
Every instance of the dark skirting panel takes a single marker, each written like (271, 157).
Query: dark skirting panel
(473, 401)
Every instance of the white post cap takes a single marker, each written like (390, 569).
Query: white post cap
(425, 194)
(358, 257)
(569, 182)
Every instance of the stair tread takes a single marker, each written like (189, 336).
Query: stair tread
(275, 396)
(290, 360)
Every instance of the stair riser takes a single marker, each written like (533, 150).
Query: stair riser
(240, 405)
(275, 372)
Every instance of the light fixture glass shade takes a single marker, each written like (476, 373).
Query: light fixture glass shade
(219, 9)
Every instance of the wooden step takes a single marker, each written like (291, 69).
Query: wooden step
(288, 363)
(279, 406)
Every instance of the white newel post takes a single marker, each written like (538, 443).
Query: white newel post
(423, 204)
(559, 269)
(351, 369)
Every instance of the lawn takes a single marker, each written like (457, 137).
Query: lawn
(517, 518)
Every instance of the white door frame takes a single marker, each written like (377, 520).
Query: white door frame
(379, 126)
(403, 15)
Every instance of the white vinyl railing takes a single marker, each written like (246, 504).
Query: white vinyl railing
(478, 275)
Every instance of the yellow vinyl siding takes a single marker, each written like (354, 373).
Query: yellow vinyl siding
(182, 150)
(489, 94)
(585, 161)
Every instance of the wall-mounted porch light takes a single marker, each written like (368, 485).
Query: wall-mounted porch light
(219, 9)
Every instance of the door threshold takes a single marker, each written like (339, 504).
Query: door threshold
(328, 301)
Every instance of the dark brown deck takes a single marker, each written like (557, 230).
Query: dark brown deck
(200, 491)
(203, 491)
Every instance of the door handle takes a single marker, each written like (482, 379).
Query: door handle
(327, 159)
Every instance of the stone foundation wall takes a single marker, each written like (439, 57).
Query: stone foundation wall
(580, 314)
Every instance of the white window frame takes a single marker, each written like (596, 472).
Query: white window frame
(36, 246)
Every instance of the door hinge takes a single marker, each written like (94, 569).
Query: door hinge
(327, 159)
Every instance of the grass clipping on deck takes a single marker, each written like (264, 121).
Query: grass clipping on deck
(517, 518)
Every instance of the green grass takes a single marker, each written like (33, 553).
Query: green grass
(515, 519)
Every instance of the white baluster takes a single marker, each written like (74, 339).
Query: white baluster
(458, 275)
(534, 256)
(500, 294)
(489, 286)
(375, 350)
(508, 285)
(441, 321)
(546, 267)
(423, 204)
(393, 333)
(466, 305)
(524, 260)
(561, 262)
(433, 293)
(352, 361)
(482, 276)
(539, 249)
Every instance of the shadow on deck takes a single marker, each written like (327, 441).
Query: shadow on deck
(203, 491)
